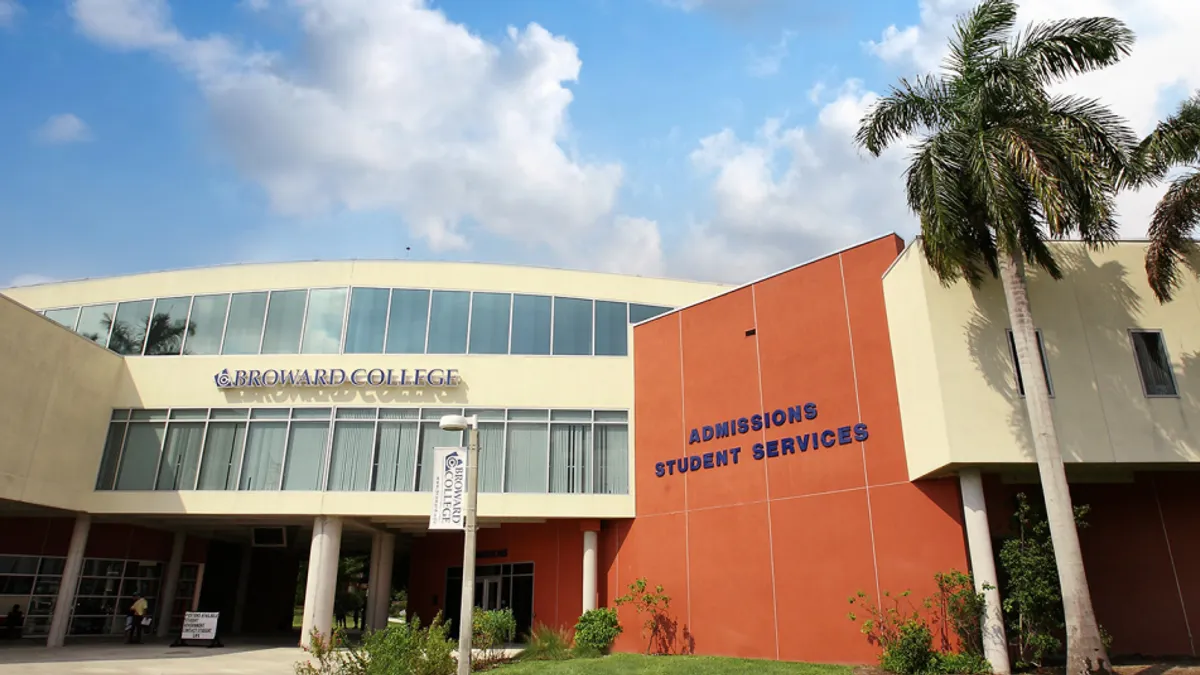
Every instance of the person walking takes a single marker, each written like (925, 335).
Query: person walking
(14, 623)
(135, 622)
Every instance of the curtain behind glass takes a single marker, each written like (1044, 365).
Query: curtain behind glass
(243, 330)
(491, 456)
(285, 316)
(208, 323)
(490, 314)
(531, 324)
(112, 452)
(181, 456)
(433, 436)
(368, 320)
(611, 474)
(323, 323)
(396, 456)
(612, 328)
(264, 456)
(222, 455)
(140, 458)
(350, 463)
(569, 445)
(305, 456)
(526, 457)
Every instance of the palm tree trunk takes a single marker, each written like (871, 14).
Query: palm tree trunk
(1085, 648)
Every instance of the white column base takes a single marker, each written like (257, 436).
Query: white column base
(322, 578)
(590, 544)
(983, 569)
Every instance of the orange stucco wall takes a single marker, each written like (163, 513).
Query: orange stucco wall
(760, 556)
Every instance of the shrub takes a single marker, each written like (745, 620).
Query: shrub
(912, 652)
(547, 644)
(399, 648)
(492, 630)
(596, 631)
(961, 664)
(652, 605)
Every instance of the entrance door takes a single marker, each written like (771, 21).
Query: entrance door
(487, 593)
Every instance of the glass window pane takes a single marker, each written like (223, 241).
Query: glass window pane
(531, 324)
(270, 413)
(356, 413)
(94, 323)
(112, 452)
(399, 413)
(433, 436)
(168, 326)
(448, 317)
(572, 327)
(489, 323)
(285, 316)
(65, 317)
(353, 453)
(323, 325)
(1154, 365)
(222, 455)
(491, 456)
(612, 328)
(229, 413)
(571, 415)
(206, 324)
(140, 458)
(129, 328)
(611, 459)
(310, 413)
(396, 456)
(244, 330)
(305, 456)
(639, 313)
(517, 414)
(570, 445)
(368, 321)
(612, 416)
(181, 456)
(525, 463)
(263, 456)
(407, 320)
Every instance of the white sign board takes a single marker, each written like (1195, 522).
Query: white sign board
(449, 489)
(200, 626)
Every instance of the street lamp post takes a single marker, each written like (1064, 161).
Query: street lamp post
(467, 611)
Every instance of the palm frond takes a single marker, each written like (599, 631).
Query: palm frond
(980, 32)
(1104, 135)
(1175, 140)
(1171, 227)
(1054, 50)
(909, 107)
(1035, 158)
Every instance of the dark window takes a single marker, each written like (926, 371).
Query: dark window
(1012, 351)
(639, 313)
(612, 328)
(531, 324)
(1154, 366)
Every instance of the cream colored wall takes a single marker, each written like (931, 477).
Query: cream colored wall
(452, 276)
(56, 392)
(958, 394)
(487, 381)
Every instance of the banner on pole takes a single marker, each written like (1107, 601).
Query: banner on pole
(449, 489)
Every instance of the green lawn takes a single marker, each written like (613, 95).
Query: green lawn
(620, 664)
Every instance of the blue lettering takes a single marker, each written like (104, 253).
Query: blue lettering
(254, 379)
(671, 466)
(303, 380)
(756, 422)
(734, 452)
(270, 378)
(696, 463)
(707, 433)
(733, 428)
(772, 448)
(337, 377)
(758, 450)
(722, 457)
(767, 420)
(722, 430)
(815, 444)
(418, 378)
(795, 414)
(682, 465)
(779, 418)
(743, 425)
(319, 378)
(357, 378)
(288, 377)
(660, 469)
(802, 443)
(708, 460)
(810, 411)
(860, 432)
(375, 377)
(787, 446)
(843, 435)
(239, 378)
(451, 377)
(694, 437)
(828, 438)
(435, 377)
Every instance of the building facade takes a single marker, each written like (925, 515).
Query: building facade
(763, 452)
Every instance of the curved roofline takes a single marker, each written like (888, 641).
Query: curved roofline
(369, 260)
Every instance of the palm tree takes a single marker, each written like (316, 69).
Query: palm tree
(1001, 167)
(1174, 142)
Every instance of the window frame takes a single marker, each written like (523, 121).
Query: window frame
(1019, 381)
(1166, 354)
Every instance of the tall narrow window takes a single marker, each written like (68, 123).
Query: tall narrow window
(129, 327)
(1012, 351)
(572, 327)
(285, 316)
(65, 317)
(490, 315)
(207, 324)
(1154, 366)
(449, 314)
(95, 323)
(368, 321)
(531, 324)
(612, 328)
(323, 323)
(168, 326)
(408, 321)
(243, 331)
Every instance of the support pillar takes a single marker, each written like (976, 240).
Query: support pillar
(243, 589)
(372, 587)
(170, 587)
(590, 539)
(383, 597)
(983, 569)
(322, 578)
(64, 605)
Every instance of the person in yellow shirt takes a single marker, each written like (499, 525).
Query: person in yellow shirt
(134, 623)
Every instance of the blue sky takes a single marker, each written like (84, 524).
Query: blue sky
(699, 138)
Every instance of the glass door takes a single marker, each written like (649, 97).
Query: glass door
(487, 593)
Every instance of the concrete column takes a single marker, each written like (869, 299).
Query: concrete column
(321, 587)
(64, 605)
(243, 589)
(383, 582)
(170, 587)
(372, 587)
(983, 569)
(589, 569)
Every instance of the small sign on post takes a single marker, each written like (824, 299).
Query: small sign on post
(199, 627)
(449, 489)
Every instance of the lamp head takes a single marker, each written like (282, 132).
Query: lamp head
(454, 422)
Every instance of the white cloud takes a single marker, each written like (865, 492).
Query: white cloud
(64, 128)
(392, 108)
(768, 62)
(28, 280)
(256, 5)
(9, 10)
(632, 246)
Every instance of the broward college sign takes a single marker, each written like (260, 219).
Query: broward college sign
(274, 378)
